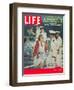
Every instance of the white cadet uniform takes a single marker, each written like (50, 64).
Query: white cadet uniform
(56, 52)
(53, 51)
(59, 51)
(37, 33)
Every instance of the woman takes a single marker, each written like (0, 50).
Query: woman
(40, 49)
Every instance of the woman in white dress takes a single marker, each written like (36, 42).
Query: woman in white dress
(39, 52)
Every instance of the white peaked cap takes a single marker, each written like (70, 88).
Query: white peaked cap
(41, 26)
(52, 31)
(57, 31)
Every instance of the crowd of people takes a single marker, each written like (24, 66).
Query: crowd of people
(47, 51)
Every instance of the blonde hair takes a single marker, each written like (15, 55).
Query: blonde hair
(40, 37)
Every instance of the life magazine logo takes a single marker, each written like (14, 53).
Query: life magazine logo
(31, 20)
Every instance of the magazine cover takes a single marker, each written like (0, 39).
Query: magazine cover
(42, 43)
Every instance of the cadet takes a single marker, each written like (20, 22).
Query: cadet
(52, 52)
(59, 49)
(43, 33)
